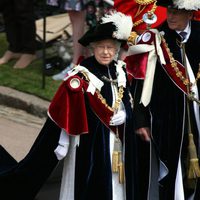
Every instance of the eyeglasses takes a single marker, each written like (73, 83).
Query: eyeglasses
(108, 48)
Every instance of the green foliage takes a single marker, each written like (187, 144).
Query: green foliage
(29, 80)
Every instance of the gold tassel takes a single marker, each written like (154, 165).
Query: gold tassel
(193, 169)
(121, 169)
(121, 173)
(115, 161)
(116, 154)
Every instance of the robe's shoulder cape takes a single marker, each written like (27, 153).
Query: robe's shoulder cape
(68, 108)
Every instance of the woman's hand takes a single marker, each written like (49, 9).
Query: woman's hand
(118, 118)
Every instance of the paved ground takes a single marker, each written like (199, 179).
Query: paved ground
(29, 103)
(19, 127)
(18, 130)
(21, 118)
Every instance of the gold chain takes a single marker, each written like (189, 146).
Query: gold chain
(117, 102)
(179, 74)
(103, 100)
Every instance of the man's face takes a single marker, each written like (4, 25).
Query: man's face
(178, 19)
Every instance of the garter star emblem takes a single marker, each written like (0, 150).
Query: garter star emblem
(75, 83)
(146, 37)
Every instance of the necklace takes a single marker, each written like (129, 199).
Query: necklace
(117, 102)
(103, 100)
(179, 74)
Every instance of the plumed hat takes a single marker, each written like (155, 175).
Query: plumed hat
(180, 4)
(114, 25)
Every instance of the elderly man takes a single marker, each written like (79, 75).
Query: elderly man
(169, 122)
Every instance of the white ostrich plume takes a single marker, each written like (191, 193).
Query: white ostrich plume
(123, 23)
(187, 4)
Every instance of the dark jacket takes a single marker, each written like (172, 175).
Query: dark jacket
(167, 110)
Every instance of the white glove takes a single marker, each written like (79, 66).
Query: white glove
(118, 118)
(61, 151)
(63, 145)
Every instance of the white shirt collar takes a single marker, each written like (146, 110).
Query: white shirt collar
(187, 30)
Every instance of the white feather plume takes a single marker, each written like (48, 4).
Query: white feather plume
(187, 4)
(123, 23)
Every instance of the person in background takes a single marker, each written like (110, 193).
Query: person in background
(20, 31)
(166, 110)
(77, 14)
(89, 123)
(97, 139)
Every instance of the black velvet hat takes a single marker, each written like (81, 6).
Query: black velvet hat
(100, 32)
(180, 4)
(115, 26)
(165, 3)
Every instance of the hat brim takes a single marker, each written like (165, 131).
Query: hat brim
(165, 3)
(98, 33)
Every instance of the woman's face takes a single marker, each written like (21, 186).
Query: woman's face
(104, 51)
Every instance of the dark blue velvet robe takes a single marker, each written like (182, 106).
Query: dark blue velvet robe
(93, 176)
(166, 108)
(23, 180)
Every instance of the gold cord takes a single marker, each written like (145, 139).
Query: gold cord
(141, 2)
(144, 2)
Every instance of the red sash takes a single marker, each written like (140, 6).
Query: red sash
(171, 71)
(136, 65)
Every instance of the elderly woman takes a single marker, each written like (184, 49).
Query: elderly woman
(89, 123)
(94, 109)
